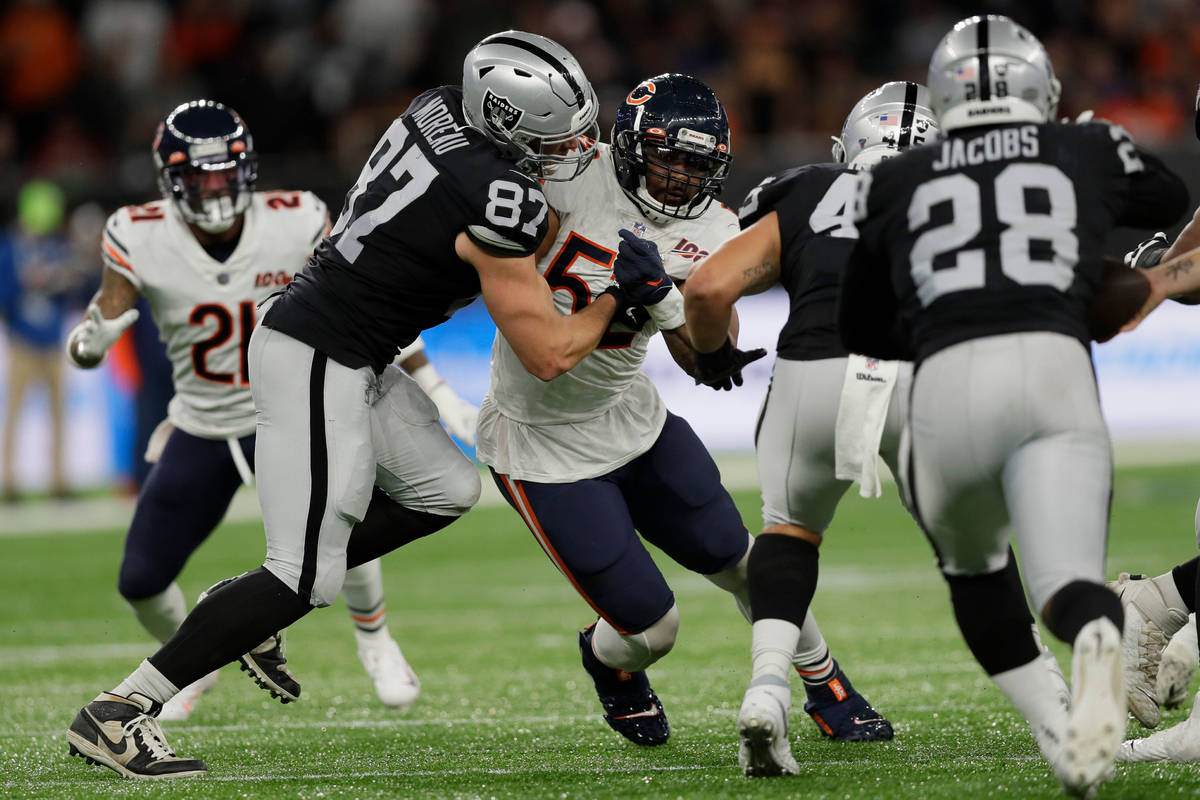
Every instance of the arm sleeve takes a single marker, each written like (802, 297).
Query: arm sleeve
(1157, 196)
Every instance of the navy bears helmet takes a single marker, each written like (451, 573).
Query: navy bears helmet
(671, 146)
(206, 163)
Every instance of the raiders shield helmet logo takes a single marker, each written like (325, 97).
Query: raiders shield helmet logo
(499, 114)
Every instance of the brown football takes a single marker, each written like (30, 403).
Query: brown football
(1121, 293)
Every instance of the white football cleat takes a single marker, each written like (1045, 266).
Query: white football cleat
(763, 747)
(1096, 723)
(395, 682)
(179, 707)
(1179, 661)
(1179, 743)
(1143, 643)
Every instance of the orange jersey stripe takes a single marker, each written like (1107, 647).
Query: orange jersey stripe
(108, 248)
(517, 492)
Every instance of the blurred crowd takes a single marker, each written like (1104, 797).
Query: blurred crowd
(84, 83)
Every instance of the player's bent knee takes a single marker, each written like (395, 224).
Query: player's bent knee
(634, 652)
(733, 578)
(327, 587)
(139, 579)
(462, 490)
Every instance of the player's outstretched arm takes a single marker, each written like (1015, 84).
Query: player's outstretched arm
(108, 314)
(746, 264)
(1177, 276)
(518, 298)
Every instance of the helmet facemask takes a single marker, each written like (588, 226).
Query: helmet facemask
(558, 158)
(206, 201)
(673, 180)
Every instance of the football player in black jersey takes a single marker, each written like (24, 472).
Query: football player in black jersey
(447, 207)
(979, 257)
(797, 230)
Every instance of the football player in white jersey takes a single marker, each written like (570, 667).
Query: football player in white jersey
(592, 455)
(204, 257)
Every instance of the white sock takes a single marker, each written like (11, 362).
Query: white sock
(1035, 693)
(149, 681)
(363, 590)
(162, 614)
(812, 659)
(773, 645)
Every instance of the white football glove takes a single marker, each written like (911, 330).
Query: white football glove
(94, 335)
(461, 417)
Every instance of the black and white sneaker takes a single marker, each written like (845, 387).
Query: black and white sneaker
(266, 664)
(122, 734)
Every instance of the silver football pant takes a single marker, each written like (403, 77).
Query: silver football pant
(1007, 438)
(326, 435)
(794, 444)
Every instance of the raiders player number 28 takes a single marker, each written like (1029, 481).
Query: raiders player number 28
(986, 248)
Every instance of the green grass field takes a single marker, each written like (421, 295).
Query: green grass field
(506, 709)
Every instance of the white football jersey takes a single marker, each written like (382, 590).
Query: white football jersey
(604, 412)
(206, 309)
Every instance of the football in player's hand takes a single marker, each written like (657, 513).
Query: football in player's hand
(1120, 295)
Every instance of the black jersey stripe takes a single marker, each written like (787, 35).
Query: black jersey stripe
(542, 54)
(318, 467)
(906, 116)
(981, 41)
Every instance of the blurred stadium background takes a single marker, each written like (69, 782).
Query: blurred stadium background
(84, 83)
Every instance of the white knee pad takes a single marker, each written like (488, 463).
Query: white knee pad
(733, 580)
(634, 652)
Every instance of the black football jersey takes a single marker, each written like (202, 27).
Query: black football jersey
(388, 270)
(995, 230)
(814, 205)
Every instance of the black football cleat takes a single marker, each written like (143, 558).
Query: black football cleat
(630, 706)
(842, 713)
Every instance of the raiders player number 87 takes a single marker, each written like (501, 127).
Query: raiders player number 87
(447, 207)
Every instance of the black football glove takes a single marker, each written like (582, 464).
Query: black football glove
(628, 313)
(1148, 253)
(639, 270)
(722, 368)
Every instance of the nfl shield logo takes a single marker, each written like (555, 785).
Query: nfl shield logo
(639, 228)
(499, 114)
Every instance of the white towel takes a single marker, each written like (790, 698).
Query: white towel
(862, 413)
